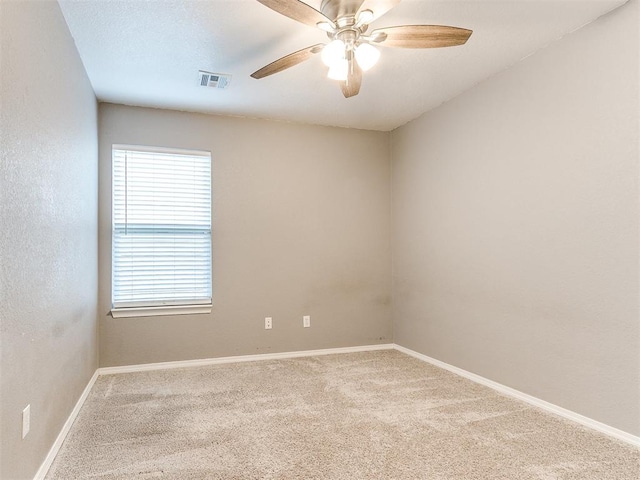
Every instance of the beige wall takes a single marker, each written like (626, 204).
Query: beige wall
(515, 226)
(48, 235)
(301, 222)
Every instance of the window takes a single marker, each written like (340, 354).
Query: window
(161, 231)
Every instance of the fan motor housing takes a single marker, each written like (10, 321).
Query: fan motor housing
(335, 9)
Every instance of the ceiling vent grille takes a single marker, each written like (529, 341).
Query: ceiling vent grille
(215, 80)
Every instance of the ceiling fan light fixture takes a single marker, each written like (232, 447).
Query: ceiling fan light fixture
(350, 50)
(333, 53)
(367, 56)
(339, 70)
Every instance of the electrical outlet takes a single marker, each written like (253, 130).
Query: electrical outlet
(306, 321)
(26, 420)
(268, 323)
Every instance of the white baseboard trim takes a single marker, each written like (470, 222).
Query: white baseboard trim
(53, 451)
(563, 412)
(44, 468)
(240, 358)
(512, 392)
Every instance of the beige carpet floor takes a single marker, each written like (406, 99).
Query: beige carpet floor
(373, 415)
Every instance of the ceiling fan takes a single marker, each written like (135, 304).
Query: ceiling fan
(351, 49)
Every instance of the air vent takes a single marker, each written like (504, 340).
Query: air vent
(215, 80)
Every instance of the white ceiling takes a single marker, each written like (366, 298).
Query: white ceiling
(148, 53)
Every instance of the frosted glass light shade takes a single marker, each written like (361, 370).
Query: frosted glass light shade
(367, 56)
(339, 70)
(365, 17)
(333, 53)
(326, 26)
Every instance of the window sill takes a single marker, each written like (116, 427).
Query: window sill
(125, 312)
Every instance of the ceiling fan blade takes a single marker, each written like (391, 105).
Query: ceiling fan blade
(351, 87)
(288, 61)
(297, 10)
(422, 36)
(378, 7)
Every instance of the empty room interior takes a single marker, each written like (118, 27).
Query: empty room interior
(330, 239)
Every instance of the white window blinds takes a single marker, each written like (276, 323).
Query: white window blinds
(161, 227)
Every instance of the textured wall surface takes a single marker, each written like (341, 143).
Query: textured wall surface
(515, 223)
(301, 226)
(48, 234)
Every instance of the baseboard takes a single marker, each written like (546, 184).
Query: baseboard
(44, 468)
(512, 392)
(53, 451)
(240, 358)
(563, 412)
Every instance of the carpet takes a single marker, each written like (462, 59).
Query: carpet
(370, 415)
